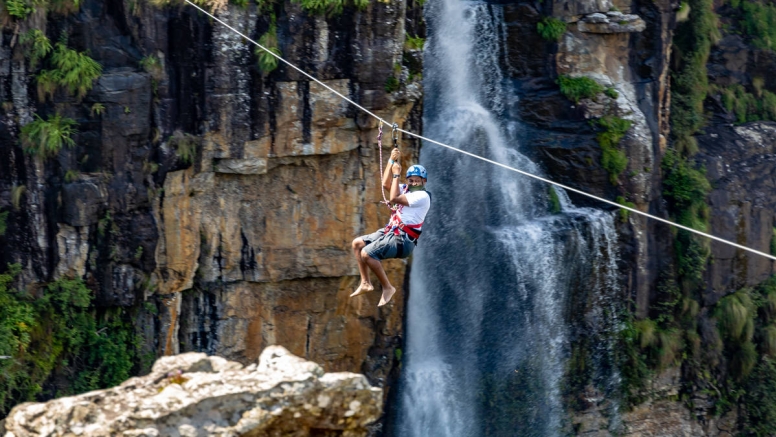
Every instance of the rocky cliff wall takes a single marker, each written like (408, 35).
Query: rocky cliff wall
(215, 200)
(638, 53)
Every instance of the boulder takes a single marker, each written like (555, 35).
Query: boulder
(194, 394)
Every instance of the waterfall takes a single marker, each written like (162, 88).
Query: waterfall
(487, 335)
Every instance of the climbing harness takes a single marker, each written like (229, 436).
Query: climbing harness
(490, 161)
(396, 227)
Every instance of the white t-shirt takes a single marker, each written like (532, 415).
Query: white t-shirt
(419, 204)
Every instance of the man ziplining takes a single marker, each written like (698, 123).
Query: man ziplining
(398, 239)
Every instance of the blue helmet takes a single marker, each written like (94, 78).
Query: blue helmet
(417, 170)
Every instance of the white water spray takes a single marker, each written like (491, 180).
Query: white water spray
(487, 340)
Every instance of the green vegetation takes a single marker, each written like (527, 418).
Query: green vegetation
(747, 106)
(72, 175)
(624, 213)
(152, 65)
(185, 146)
(611, 93)
(577, 88)
(21, 9)
(633, 361)
(759, 400)
(551, 28)
(213, 5)
(150, 167)
(72, 70)
(613, 159)
(3, 222)
(414, 43)
(689, 81)
(97, 108)
(735, 314)
(555, 207)
(668, 337)
(103, 223)
(268, 62)
(330, 7)
(391, 84)
(46, 137)
(38, 46)
(685, 188)
(758, 21)
(773, 242)
(18, 8)
(61, 336)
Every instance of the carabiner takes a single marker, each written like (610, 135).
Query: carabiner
(395, 134)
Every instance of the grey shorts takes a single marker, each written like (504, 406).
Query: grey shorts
(380, 245)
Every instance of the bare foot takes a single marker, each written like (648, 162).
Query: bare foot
(365, 287)
(387, 295)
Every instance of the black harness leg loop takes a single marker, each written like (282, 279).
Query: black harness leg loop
(400, 247)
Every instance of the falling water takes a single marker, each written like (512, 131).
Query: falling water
(487, 334)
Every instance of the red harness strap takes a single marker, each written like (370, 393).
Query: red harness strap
(397, 226)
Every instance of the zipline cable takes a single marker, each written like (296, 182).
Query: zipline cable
(522, 172)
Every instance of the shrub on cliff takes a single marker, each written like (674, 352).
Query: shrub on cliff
(759, 401)
(59, 334)
(186, 146)
(685, 188)
(46, 137)
(613, 159)
(213, 5)
(267, 62)
(689, 80)
(747, 106)
(577, 88)
(551, 28)
(21, 9)
(759, 22)
(330, 7)
(38, 46)
(72, 70)
(17, 8)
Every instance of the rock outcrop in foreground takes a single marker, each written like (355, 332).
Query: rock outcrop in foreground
(196, 395)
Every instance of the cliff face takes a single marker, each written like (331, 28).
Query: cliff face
(645, 56)
(215, 201)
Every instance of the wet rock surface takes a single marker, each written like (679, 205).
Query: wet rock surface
(739, 162)
(198, 395)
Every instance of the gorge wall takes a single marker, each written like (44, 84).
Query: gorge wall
(207, 202)
(687, 84)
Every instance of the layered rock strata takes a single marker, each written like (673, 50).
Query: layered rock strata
(195, 395)
(216, 200)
